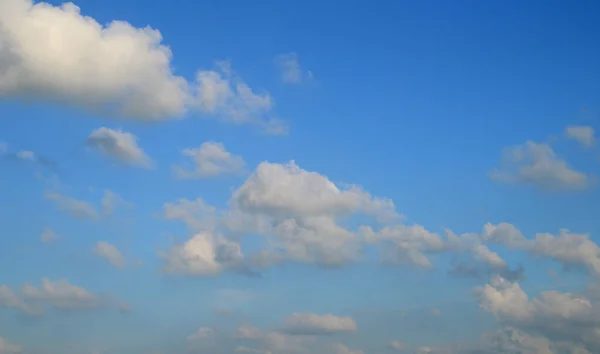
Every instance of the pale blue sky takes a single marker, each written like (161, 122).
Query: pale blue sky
(461, 113)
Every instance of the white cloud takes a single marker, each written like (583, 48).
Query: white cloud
(111, 201)
(571, 317)
(209, 160)
(56, 54)
(48, 236)
(7, 347)
(119, 145)
(73, 207)
(402, 244)
(290, 70)
(110, 253)
(3, 147)
(224, 94)
(204, 254)
(9, 299)
(202, 333)
(583, 134)
(61, 294)
(196, 214)
(397, 345)
(538, 165)
(567, 248)
(314, 324)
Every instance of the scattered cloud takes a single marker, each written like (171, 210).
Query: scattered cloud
(289, 69)
(111, 201)
(581, 133)
(58, 294)
(73, 207)
(119, 145)
(110, 253)
(537, 164)
(209, 160)
(196, 214)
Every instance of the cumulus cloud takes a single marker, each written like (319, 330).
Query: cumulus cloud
(289, 69)
(9, 299)
(569, 249)
(538, 165)
(581, 133)
(119, 145)
(209, 160)
(56, 54)
(562, 316)
(314, 324)
(73, 207)
(110, 253)
(204, 254)
(7, 347)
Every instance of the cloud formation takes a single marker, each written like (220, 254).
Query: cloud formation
(120, 146)
(210, 159)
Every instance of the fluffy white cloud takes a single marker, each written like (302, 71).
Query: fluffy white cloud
(564, 316)
(583, 134)
(61, 294)
(110, 253)
(289, 191)
(48, 236)
(54, 53)
(297, 211)
(76, 208)
(209, 160)
(538, 165)
(290, 70)
(7, 347)
(119, 145)
(202, 255)
(314, 324)
(567, 248)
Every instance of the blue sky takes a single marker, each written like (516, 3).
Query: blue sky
(292, 177)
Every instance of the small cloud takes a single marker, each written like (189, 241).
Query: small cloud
(396, 346)
(290, 70)
(538, 165)
(26, 155)
(201, 333)
(119, 145)
(582, 134)
(110, 253)
(111, 201)
(48, 236)
(73, 207)
(211, 159)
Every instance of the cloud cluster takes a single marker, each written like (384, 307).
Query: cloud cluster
(56, 54)
(57, 294)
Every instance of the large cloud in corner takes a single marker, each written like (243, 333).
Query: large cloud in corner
(55, 54)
